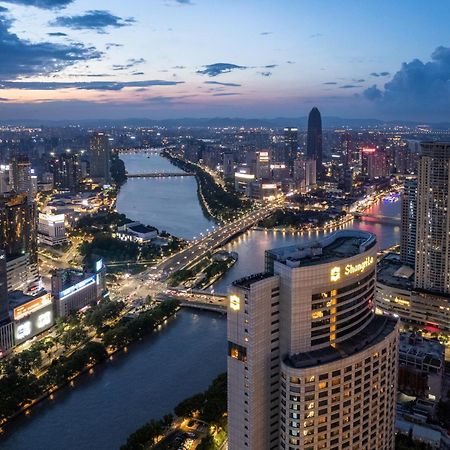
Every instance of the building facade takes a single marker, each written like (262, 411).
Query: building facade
(100, 158)
(310, 366)
(51, 229)
(314, 140)
(432, 265)
(408, 228)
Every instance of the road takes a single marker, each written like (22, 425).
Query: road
(152, 280)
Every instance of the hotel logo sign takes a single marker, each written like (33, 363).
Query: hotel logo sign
(351, 269)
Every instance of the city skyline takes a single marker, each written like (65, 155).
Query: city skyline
(182, 58)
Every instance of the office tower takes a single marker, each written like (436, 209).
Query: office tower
(262, 169)
(18, 239)
(433, 221)
(4, 314)
(408, 222)
(314, 140)
(20, 176)
(305, 174)
(100, 158)
(291, 146)
(66, 170)
(4, 179)
(310, 366)
(228, 166)
(374, 163)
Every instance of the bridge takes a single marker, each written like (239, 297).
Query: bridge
(160, 175)
(380, 218)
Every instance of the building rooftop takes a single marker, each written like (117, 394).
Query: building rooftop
(246, 282)
(377, 329)
(339, 245)
(141, 229)
(415, 346)
(392, 272)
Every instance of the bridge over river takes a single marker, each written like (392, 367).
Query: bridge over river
(160, 175)
(380, 218)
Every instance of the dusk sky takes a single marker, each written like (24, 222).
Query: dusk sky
(64, 59)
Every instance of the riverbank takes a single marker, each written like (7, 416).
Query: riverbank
(218, 203)
(25, 383)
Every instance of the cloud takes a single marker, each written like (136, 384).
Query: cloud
(218, 83)
(24, 58)
(379, 74)
(137, 73)
(213, 70)
(270, 66)
(265, 74)
(84, 85)
(3, 99)
(3, 10)
(179, 67)
(290, 62)
(133, 62)
(330, 82)
(57, 34)
(43, 4)
(112, 45)
(316, 35)
(226, 94)
(266, 33)
(349, 86)
(97, 20)
(418, 87)
(184, 2)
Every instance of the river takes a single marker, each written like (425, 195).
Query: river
(182, 358)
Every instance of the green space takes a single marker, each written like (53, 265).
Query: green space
(77, 343)
(117, 168)
(298, 219)
(222, 204)
(208, 407)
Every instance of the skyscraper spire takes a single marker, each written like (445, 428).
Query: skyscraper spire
(314, 143)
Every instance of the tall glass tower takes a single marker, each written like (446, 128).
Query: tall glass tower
(314, 142)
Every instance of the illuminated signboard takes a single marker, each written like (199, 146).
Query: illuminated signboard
(369, 150)
(44, 319)
(77, 287)
(235, 302)
(244, 176)
(350, 269)
(23, 330)
(99, 265)
(32, 306)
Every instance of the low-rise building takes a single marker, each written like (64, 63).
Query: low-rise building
(396, 296)
(75, 289)
(31, 315)
(421, 366)
(136, 232)
(51, 229)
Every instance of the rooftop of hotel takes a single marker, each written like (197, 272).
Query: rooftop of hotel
(377, 330)
(246, 282)
(392, 272)
(339, 245)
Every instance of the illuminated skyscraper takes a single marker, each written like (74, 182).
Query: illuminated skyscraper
(4, 315)
(409, 222)
(20, 177)
(314, 140)
(100, 158)
(310, 366)
(66, 170)
(433, 218)
(291, 146)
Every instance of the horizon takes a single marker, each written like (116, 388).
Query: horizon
(169, 59)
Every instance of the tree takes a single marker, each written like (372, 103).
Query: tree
(189, 406)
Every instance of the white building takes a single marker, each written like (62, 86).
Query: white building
(136, 232)
(310, 366)
(51, 229)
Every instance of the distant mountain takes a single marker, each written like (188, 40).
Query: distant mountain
(278, 122)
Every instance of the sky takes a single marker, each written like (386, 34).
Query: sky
(113, 59)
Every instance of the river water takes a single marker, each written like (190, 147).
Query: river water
(182, 358)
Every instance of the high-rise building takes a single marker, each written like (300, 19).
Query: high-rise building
(228, 165)
(305, 174)
(4, 307)
(18, 239)
(314, 140)
(66, 170)
(291, 146)
(100, 158)
(310, 366)
(374, 163)
(432, 265)
(4, 179)
(408, 222)
(51, 229)
(20, 174)
(262, 166)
